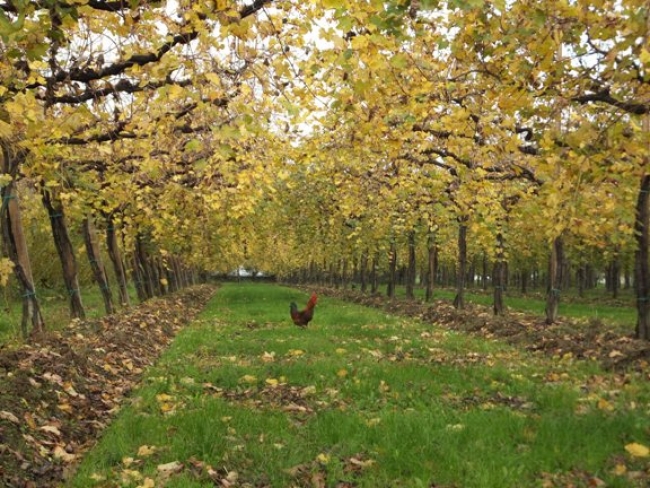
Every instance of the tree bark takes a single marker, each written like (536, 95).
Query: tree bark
(16, 249)
(459, 300)
(432, 267)
(363, 271)
(411, 268)
(498, 278)
(554, 280)
(392, 271)
(115, 255)
(641, 267)
(97, 265)
(374, 279)
(66, 253)
(138, 277)
(145, 274)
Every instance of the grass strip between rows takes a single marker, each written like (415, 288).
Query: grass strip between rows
(361, 398)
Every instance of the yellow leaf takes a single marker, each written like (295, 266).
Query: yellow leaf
(148, 483)
(268, 357)
(213, 78)
(342, 373)
(645, 56)
(605, 405)
(145, 450)
(271, 381)
(60, 453)
(637, 450)
(173, 467)
(248, 378)
(323, 458)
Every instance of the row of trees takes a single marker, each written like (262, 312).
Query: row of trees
(517, 131)
(308, 137)
(127, 122)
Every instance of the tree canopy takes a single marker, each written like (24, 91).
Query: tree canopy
(281, 135)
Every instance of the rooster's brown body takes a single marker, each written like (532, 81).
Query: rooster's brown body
(302, 317)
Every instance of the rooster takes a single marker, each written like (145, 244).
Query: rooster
(302, 317)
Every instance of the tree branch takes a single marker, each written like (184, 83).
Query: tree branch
(606, 97)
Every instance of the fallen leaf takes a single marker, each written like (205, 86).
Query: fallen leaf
(268, 357)
(52, 429)
(60, 453)
(145, 450)
(172, 467)
(637, 450)
(248, 378)
(129, 475)
(9, 416)
(605, 405)
(362, 463)
(29, 418)
(148, 483)
(323, 458)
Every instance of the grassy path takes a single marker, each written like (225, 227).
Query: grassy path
(244, 398)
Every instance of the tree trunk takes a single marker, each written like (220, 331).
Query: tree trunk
(363, 271)
(374, 279)
(459, 301)
(16, 248)
(96, 264)
(615, 276)
(524, 281)
(432, 266)
(144, 268)
(66, 253)
(411, 267)
(138, 277)
(554, 280)
(115, 255)
(498, 278)
(641, 267)
(484, 272)
(392, 271)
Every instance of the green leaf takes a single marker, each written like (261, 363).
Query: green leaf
(400, 61)
(193, 145)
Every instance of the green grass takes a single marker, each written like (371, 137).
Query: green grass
(363, 398)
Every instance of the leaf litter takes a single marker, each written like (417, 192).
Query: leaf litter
(59, 392)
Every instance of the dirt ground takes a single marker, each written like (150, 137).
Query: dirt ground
(58, 393)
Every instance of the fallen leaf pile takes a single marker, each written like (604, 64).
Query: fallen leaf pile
(567, 338)
(59, 392)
